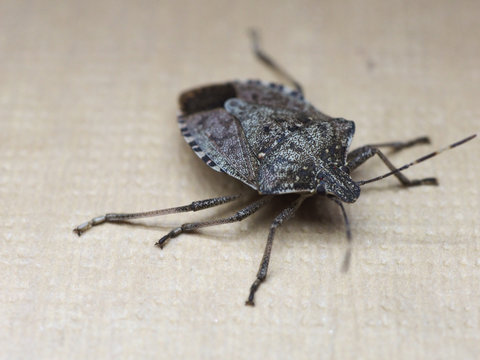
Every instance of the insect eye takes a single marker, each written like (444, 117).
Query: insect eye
(345, 169)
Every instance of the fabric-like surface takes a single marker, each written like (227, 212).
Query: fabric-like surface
(88, 104)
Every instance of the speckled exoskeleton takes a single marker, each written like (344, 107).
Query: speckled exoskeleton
(273, 140)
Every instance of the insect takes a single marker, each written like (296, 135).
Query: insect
(273, 140)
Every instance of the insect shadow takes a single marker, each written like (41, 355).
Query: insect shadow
(277, 143)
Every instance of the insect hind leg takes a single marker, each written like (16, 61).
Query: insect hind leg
(119, 217)
(362, 154)
(270, 63)
(238, 216)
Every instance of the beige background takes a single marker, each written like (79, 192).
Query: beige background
(88, 93)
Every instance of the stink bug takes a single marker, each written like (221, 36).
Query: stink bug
(273, 140)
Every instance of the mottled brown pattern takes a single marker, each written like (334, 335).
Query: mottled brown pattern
(220, 137)
(276, 96)
(273, 140)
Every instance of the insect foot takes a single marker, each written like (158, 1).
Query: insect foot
(80, 229)
(174, 233)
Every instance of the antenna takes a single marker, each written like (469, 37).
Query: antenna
(419, 160)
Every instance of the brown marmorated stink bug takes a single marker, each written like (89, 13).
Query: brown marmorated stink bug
(273, 140)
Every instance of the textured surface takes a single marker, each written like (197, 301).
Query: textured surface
(88, 104)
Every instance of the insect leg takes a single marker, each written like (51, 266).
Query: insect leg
(360, 155)
(400, 145)
(262, 271)
(238, 216)
(118, 217)
(270, 63)
(355, 159)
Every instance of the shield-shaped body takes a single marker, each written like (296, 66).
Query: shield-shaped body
(269, 137)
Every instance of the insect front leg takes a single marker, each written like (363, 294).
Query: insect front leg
(119, 217)
(262, 271)
(355, 159)
(360, 155)
(238, 216)
(400, 145)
